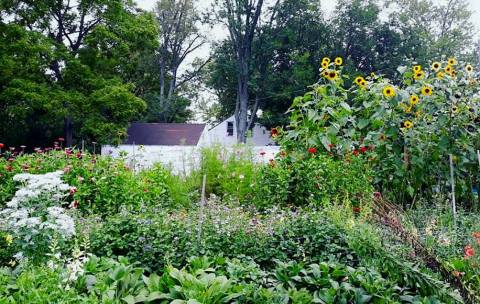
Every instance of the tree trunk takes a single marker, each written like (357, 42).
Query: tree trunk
(242, 119)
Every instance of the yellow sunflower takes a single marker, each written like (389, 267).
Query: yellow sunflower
(408, 124)
(358, 80)
(452, 61)
(418, 75)
(454, 109)
(389, 91)
(326, 59)
(324, 64)
(436, 66)
(427, 91)
(338, 61)
(414, 99)
(448, 69)
(325, 73)
(440, 75)
(417, 68)
(469, 68)
(363, 83)
(332, 75)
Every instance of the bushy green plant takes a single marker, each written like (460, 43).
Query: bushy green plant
(230, 172)
(313, 179)
(158, 238)
(411, 127)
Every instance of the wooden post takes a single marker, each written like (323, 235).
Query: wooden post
(133, 158)
(83, 146)
(203, 201)
(452, 180)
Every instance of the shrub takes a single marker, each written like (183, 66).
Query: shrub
(158, 238)
(313, 179)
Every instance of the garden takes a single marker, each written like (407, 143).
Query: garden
(373, 198)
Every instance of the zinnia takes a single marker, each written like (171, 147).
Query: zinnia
(469, 251)
(1, 146)
(363, 149)
(312, 150)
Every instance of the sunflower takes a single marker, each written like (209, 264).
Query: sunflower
(414, 100)
(332, 75)
(448, 69)
(388, 91)
(325, 73)
(469, 68)
(372, 74)
(326, 59)
(338, 61)
(454, 109)
(436, 66)
(440, 75)
(407, 124)
(363, 83)
(358, 80)
(427, 91)
(417, 68)
(325, 64)
(418, 114)
(418, 75)
(452, 61)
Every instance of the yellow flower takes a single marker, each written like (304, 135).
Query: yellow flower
(325, 73)
(469, 68)
(414, 100)
(326, 59)
(452, 61)
(372, 74)
(436, 66)
(418, 75)
(388, 91)
(408, 124)
(417, 68)
(338, 61)
(440, 75)
(408, 109)
(418, 114)
(363, 83)
(358, 80)
(448, 69)
(454, 109)
(9, 239)
(332, 75)
(427, 91)
(325, 64)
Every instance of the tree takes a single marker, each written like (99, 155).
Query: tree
(241, 18)
(82, 53)
(179, 37)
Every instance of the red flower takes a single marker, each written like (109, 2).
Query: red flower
(356, 209)
(355, 152)
(312, 150)
(68, 152)
(9, 168)
(363, 149)
(75, 204)
(331, 146)
(274, 132)
(377, 195)
(469, 251)
(1, 146)
(79, 155)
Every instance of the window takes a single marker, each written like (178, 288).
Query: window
(229, 128)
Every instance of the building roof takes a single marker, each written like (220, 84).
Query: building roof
(164, 134)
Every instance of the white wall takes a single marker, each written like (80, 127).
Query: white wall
(180, 159)
(218, 135)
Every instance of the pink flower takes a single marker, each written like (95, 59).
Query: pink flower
(73, 190)
(469, 251)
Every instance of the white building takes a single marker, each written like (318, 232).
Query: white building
(178, 145)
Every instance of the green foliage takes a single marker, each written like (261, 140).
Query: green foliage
(104, 185)
(229, 172)
(310, 179)
(158, 238)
